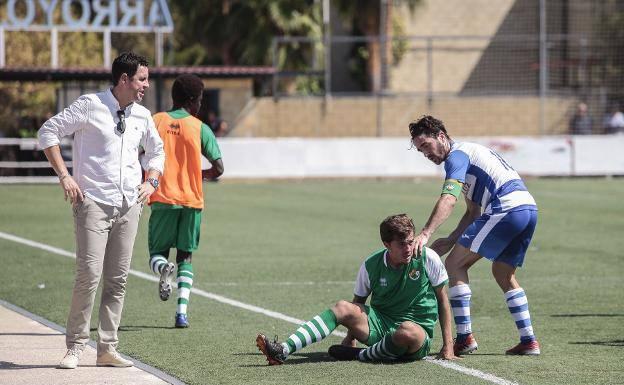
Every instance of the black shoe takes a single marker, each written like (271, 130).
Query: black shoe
(344, 353)
(274, 351)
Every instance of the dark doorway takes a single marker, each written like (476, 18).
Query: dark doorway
(210, 103)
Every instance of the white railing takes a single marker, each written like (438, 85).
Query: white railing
(385, 157)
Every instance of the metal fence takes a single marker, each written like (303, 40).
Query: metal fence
(540, 62)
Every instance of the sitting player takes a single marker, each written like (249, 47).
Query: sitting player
(407, 295)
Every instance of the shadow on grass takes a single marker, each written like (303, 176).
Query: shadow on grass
(294, 359)
(619, 343)
(138, 328)
(483, 354)
(316, 357)
(586, 315)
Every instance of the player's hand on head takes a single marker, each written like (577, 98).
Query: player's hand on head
(419, 243)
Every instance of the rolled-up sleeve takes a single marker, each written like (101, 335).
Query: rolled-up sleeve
(154, 158)
(66, 122)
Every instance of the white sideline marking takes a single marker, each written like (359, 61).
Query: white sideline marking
(273, 314)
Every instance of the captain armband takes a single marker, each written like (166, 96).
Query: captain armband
(452, 186)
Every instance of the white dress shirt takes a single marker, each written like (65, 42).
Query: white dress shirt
(105, 162)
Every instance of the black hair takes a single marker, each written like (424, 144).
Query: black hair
(427, 125)
(127, 63)
(186, 88)
(396, 227)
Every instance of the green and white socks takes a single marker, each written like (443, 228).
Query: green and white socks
(157, 262)
(384, 350)
(312, 331)
(185, 283)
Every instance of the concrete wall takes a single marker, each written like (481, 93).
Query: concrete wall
(392, 157)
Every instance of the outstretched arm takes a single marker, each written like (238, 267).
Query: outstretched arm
(444, 245)
(444, 312)
(441, 212)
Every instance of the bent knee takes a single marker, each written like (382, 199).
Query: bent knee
(409, 330)
(343, 308)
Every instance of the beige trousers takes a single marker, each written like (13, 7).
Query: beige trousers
(104, 241)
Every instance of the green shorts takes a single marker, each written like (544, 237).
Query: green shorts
(173, 227)
(379, 326)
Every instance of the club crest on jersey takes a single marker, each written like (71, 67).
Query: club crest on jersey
(383, 282)
(414, 274)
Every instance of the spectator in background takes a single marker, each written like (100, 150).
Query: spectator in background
(212, 120)
(614, 121)
(221, 128)
(581, 122)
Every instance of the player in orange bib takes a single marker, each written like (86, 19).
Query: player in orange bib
(179, 199)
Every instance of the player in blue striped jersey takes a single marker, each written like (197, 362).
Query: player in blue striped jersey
(498, 225)
(407, 296)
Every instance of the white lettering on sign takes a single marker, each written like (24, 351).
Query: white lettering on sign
(84, 14)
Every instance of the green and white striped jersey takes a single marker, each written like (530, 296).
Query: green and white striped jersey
(406, 293)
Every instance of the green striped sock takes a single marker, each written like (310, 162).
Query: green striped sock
(185, 283)
(384, 350)
(156, 262)
(312, 331)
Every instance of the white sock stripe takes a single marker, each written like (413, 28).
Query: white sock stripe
(513, 292)
(184, 292)
(322, 324)
(461, 311)
(460, 291)
(286, 348)
(385, 350)
(521, 316)
(182, 308)
(297, 341)
(306, 335)
(312, 327)
(375, 351)
(156, 262)
(517, 301)
(527, 331)
(464, 329)
(185, 280)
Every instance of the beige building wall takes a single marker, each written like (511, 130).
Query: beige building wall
(453, 62)
(358, 117)
(454, 59)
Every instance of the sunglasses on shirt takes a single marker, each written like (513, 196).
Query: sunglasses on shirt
(121, 125)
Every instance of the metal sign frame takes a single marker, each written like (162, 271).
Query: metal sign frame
(132, 20)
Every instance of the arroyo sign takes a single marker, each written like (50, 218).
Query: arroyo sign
(88, 15)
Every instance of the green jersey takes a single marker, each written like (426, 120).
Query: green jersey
(406, 293)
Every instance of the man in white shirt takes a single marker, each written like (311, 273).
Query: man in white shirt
(107, 196)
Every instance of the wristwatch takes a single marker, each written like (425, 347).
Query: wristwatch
(153, 182)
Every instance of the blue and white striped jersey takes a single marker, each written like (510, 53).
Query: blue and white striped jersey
(488, 180)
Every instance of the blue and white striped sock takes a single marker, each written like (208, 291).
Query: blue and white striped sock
(460, 305)
(519, 308)
(156, 262)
